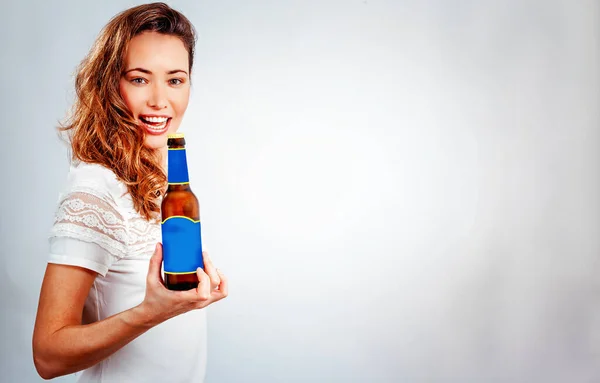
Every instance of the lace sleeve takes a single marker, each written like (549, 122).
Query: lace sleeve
(91, 219)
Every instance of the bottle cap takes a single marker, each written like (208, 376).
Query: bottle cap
(175, 135)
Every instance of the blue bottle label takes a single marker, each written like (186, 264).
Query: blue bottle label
(178, 170)
(182, 245)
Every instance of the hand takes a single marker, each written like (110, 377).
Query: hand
(161, 304)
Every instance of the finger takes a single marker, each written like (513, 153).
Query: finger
(223, 286)
(203, 289)
(210, 269)
(154, 275)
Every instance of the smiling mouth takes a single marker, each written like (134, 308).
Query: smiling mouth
(155, 125)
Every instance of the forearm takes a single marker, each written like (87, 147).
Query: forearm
(76, 347)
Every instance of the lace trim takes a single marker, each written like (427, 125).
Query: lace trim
(86, 216)
(78, 211)
(89, 235)
(141, 231)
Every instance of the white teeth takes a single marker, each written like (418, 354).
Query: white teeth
(155, 123)
(156, 120)
(157, 127)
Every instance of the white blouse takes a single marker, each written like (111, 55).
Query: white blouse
(97, 227)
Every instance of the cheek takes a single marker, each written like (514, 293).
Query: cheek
(180, 104)
(128, 96)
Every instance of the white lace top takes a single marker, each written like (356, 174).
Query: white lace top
(97, 227)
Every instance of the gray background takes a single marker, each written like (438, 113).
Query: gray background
(399, 191)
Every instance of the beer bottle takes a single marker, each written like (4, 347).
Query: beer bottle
(182, 241)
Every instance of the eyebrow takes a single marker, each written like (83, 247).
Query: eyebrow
(150, 72)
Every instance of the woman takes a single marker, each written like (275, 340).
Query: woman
(103, 308)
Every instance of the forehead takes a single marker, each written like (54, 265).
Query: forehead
(152, 50)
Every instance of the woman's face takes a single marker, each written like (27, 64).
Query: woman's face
(155, 84)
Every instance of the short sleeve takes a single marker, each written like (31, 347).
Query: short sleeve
(74, 252)
(88, 231)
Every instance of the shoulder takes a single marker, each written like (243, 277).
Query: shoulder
(94, 179)
(89, 211)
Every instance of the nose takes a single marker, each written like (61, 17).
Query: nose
(158, 97)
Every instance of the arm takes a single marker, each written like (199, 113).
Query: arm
(62, 345)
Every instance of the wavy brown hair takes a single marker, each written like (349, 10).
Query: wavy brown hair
(101, 129)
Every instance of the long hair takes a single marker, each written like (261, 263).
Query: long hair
(101, 129)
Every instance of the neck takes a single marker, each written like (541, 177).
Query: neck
(172, 187)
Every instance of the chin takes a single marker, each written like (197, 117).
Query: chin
(156, 142)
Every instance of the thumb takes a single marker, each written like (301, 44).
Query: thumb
(154, 267)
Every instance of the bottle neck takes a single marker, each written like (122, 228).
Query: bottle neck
(176, 187)
(177, 171)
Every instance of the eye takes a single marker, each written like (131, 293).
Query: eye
(139, 80)
(176, 81)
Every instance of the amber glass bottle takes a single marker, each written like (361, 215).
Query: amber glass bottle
(181, 237)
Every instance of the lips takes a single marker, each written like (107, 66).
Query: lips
(155, 125)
